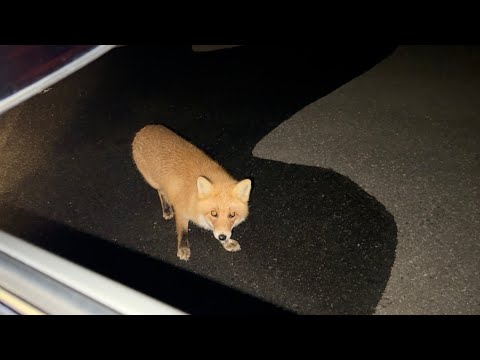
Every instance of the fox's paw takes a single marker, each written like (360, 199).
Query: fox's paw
(231, 245)
(168, 212)
(168, 215)
(183, 253)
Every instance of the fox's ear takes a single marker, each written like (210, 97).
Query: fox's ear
(204, 187)
(242, 190)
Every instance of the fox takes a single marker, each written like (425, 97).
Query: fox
(191, 185)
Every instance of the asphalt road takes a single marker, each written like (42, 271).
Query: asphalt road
(316, 241)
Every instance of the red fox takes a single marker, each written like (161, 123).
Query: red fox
(192, 186)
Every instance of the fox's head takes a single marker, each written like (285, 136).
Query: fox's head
(222, 206)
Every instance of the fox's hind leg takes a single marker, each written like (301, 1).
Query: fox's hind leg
(183, 247)
(166, 207)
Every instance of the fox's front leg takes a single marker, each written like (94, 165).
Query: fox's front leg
(231, 245)
(183, 247)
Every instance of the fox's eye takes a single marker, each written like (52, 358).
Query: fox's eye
(213, 213)
(232, 214)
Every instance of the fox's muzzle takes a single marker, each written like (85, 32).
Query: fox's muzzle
(222, 235)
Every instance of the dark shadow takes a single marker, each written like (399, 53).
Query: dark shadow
(315, 242)
(179, 288)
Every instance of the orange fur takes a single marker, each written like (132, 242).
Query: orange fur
(192, 183)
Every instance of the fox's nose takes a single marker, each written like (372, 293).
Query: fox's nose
(221, 237)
